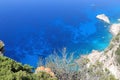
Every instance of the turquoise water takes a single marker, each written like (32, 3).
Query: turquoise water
(34, 28)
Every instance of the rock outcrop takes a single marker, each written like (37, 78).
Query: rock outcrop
(43, 69)
(109, 58)
(1, 47)
(115, 28)
(104, 63)
(103, 17)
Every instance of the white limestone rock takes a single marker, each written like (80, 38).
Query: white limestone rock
(115, 28)
(103, 17)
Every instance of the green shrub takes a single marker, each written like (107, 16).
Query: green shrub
(12, 70)
(44, 76)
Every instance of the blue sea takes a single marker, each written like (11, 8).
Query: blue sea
(34, 28)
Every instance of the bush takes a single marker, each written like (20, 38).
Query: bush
(44, 76)
(62, 64)
(11, 70)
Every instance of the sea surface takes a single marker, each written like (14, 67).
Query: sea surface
(34, 28)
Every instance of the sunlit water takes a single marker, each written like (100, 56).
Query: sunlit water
(33, 28)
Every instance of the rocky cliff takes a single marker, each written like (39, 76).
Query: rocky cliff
(108, 61)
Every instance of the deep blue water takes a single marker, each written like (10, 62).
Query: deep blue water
(33, 28)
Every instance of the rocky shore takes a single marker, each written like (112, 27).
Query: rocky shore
(115, 28)
(109, 59)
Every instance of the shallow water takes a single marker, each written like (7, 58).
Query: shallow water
(33, 28)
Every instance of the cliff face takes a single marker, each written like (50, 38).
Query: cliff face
(112, 56)
(109, 59)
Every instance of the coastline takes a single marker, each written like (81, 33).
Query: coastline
(108, 56)
(102, 60)
(114, 27)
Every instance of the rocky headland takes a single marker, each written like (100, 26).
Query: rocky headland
(107, 60)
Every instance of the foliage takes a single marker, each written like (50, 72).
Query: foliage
(62, 64)
(66, 68)
(44, 76)
(11, 70)
(94, 72)
(116, 38)
(110, 46)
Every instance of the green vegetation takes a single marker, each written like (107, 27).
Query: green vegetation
(63, 65)
(11, 70)
(43, 76)
(110, 46)
(95, 72)
(66, 68)
(117, 38)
